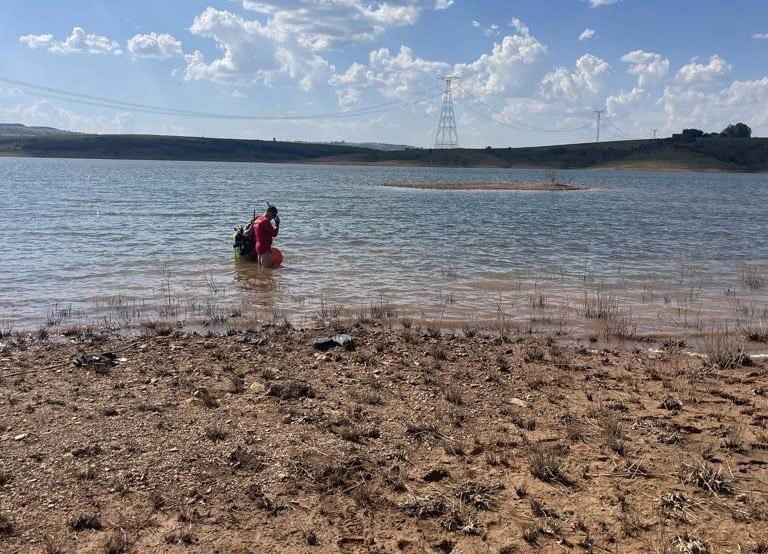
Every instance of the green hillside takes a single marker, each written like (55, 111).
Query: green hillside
(709, 153)
(702, 154)
(153, 147)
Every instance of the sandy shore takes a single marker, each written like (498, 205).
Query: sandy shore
(409, 442)
(488, 186)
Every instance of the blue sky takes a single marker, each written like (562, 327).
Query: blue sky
(532, 72)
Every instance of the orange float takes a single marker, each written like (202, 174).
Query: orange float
(277, 257)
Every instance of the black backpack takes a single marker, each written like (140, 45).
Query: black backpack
(244, 241)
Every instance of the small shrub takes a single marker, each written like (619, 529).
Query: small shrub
(723, 349)
(549, 467)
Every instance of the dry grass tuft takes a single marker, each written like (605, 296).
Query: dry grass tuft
(258, 494)
(422, 430)
(236, 384)
(292, 390)
(752, 278)
(85, 522)
(549, 467)
(723, 348)
(117, 542)
(706, 477)
(215, 433)
(482, 497)
(180, 536)
(614, 434)
(601, 306)
(453, 395)
(424, 507)
(689, 544)
(757, 333)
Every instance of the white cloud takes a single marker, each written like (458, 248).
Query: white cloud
(760, 36)
(585, 81)
(154, 45)
(78, 42)
(322, 24)
(491, 31)
(598, 3)
(512, 66)
(695, 72)
(649, 67)
(587, 34)
(399, 76)
(287, 37)
(44, 113)
(615, 104)
(745, 101)
(443, 4)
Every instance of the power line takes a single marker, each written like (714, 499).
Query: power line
(523, 126)
(617, 130)
(517, 126)
(98, 101)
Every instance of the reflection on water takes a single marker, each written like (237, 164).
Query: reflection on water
(123, 241)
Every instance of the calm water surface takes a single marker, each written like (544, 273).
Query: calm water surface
(87, 235)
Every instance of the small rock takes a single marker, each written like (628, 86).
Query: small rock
(21, 437)
(323, 343)
(518, 402)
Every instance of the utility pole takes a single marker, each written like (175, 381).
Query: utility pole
(598, 113)
(447, 137)
(654, 133)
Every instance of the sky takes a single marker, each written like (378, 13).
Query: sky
(530, 72)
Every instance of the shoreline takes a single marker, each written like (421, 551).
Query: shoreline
(660, 167)
(204, 442)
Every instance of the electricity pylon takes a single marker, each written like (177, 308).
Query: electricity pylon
(598, 113)
(447, 137)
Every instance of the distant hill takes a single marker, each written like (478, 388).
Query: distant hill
(19, 130)
(153, 147)
(712, 153)
(375, 145)
(701, 154)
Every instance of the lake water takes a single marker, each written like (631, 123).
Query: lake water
(108, 240)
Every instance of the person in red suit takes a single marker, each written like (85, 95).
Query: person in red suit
(264, 232)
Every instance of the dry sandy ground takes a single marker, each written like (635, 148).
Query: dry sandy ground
(487, 186)
(257, 442)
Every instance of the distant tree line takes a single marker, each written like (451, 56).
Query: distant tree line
(739, 130)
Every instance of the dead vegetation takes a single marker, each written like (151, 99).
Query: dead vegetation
(723, 348)
(412, 442)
